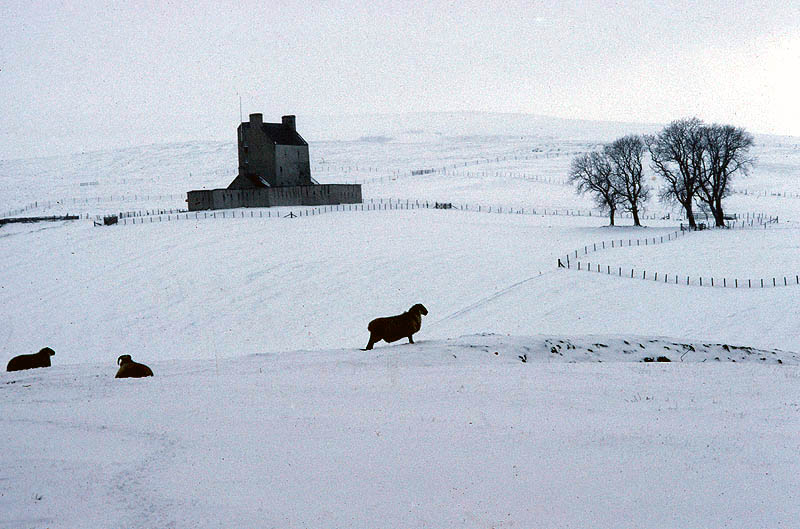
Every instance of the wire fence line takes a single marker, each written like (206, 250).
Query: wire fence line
(511, 174)
(676, 279)
(744, 221)
(533, 155)
(449, 169)
(378, 204)
(74, 201)
(741, 219)
(143, 213)
(271, 213)
(781, 194)
(749, 221)
(163, 214)
(572, 261)
(149, 216)
(529, 177)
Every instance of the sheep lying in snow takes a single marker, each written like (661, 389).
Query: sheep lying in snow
(31, 361)
(393, 328)
(130, 369)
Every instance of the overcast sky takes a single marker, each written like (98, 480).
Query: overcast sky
(82, 75)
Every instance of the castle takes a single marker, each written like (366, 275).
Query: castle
(274, 170)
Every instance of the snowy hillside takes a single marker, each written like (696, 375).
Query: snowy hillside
(435, 435)
(529, 399)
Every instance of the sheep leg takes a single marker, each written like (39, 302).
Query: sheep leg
(410, 339)
(372, 341)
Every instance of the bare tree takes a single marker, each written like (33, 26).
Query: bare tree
(625, 158)
(677, 154)
(592, 173)
(726, 154)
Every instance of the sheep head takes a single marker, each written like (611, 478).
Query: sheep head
(124, 359)
(419, 307)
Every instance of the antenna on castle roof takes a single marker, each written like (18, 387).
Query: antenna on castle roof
(240, 106)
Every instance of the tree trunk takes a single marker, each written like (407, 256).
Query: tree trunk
(719, 216)
(635, 213)
(689, 214)
(611, 215)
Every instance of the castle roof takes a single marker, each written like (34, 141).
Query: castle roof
(280, 134)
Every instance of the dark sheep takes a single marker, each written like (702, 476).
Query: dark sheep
(394, 328)
(31, 361)
(130, 369)
(659, 359)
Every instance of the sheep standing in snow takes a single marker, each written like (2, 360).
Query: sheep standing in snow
(130, 369)
(31, 361)
(393, 328)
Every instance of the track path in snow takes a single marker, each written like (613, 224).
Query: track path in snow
(488, 299)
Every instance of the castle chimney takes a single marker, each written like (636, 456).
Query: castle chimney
(256, 120)
(289, 122)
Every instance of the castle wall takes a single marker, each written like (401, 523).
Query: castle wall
(310, 195)
(256, 153)
(292, 166)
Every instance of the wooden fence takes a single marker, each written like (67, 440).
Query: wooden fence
(572, 261)
(144, 216)
(676, 279)
(381, 204)
(781, 194)
(65, 202)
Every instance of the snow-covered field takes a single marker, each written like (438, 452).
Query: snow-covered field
(265, 413)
